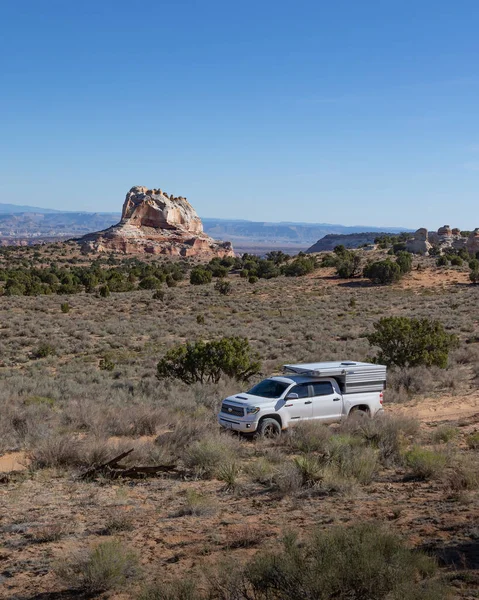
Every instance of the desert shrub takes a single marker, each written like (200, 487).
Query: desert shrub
(208, 361)
(65, 451)
(348, 264)
(425, 463)
(107, 566)
(444, 434)
(472, 440)
(474, 274)
(329, 260)
(442, 261)
(116, 522)
(300, 266)
(51, 532)
(182, 589)
(456, 261)
(253, 279)
(383, 272)
(223, 287)
(218, 270)
(65, 307)
(364, 562)
(404, 261)
(464, 474)
(207, 455)
(309, 436)
(389, 434)
(43, 350)
(287, 478)
(200, 276)
(261, 470)
(355, 461)
(106, 364)
(309, 467)
(149, 283)
(104, 291)
(39, 401)
(228, 472)
(412, 342)
(197, 504)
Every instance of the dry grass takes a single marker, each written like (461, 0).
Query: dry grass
(70, 413)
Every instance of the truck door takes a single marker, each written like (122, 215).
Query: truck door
(327, 402)
(301, 407)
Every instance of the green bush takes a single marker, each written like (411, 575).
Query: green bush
(364, 562)
(223, 287)
(474, 275)
(383, 272)
(404, 261)
(65, 307)
(43, 350)
(253, 279)
(300, 266)
(208, 361)
(104, 291)
(106, 364)
(329, 260)
(424, 463)
(406, 342)
(200, 276)
(442, 261)
(348, 268)
(149, 283)
(456, 261)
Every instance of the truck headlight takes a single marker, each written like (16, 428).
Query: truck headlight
(252, 410)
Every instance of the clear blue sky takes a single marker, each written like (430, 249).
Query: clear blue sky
(352, 111)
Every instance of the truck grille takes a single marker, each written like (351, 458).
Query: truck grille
(232, 410)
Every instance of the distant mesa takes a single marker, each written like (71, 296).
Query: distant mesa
(154, 222)
(351, 240)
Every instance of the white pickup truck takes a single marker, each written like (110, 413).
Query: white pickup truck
(328, 392)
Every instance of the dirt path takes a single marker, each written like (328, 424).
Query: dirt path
(443, 408)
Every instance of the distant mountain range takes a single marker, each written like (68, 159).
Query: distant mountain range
(29, 224)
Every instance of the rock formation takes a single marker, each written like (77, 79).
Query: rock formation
(473, 242)
(419, 243)
(155, 223)
(443, 239)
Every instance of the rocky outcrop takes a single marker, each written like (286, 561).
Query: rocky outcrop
(443, 239)
(155, 223)
(473, 242)
(419, 243)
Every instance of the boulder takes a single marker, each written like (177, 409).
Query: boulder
(154, 223)
(419, 243)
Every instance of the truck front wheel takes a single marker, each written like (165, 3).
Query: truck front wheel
(269, 428)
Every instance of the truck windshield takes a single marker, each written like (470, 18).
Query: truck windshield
(268, 389)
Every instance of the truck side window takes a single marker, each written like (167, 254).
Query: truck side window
(302, 390)
(322, 388)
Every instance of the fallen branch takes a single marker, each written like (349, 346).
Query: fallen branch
(114, 470)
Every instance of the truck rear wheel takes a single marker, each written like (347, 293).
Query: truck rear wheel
(358, 413)
(269, 428)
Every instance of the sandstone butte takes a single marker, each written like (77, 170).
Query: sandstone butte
(153, 222)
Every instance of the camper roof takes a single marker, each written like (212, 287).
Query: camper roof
(331, 368)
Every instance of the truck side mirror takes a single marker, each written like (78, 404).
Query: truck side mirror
(292, 396)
